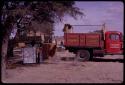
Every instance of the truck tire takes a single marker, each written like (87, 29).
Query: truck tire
(83, 55)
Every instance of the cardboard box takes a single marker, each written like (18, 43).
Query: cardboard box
(38, 33)
(21, 44)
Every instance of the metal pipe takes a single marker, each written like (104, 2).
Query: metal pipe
(86, 25)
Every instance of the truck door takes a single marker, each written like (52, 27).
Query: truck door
(113, 43)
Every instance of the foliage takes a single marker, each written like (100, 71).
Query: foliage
(41, 11)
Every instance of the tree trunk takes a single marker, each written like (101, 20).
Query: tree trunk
(7, 28)
(4, 56)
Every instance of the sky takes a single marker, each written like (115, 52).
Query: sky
(96, 13)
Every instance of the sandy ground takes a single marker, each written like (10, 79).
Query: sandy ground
(108, 69)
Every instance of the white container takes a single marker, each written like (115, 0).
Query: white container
(29, 55)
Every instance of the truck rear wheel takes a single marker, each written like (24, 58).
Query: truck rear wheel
(83, 55)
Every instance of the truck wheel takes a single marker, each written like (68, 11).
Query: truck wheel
(83, 55)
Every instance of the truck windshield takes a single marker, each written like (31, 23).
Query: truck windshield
(114, 37)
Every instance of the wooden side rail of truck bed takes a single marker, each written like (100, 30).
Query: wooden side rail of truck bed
(83, 40)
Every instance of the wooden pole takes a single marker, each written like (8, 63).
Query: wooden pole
(103, 29)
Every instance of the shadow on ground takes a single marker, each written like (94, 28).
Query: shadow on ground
(107, 60)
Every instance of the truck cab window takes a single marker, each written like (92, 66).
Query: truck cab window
(114, 37)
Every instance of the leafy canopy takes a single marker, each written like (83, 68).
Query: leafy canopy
(40, 11)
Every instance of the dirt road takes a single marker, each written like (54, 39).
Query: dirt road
(108, 69)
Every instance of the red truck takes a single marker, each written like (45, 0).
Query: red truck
(87, 45)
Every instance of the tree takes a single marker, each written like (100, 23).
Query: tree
(13, 12)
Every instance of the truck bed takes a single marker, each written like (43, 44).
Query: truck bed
(82, 40)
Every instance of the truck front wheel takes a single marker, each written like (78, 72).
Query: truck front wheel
(83, 55)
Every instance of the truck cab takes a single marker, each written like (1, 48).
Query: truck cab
(113, 42)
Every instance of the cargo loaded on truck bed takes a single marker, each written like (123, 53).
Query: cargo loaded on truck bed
(87, 45)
